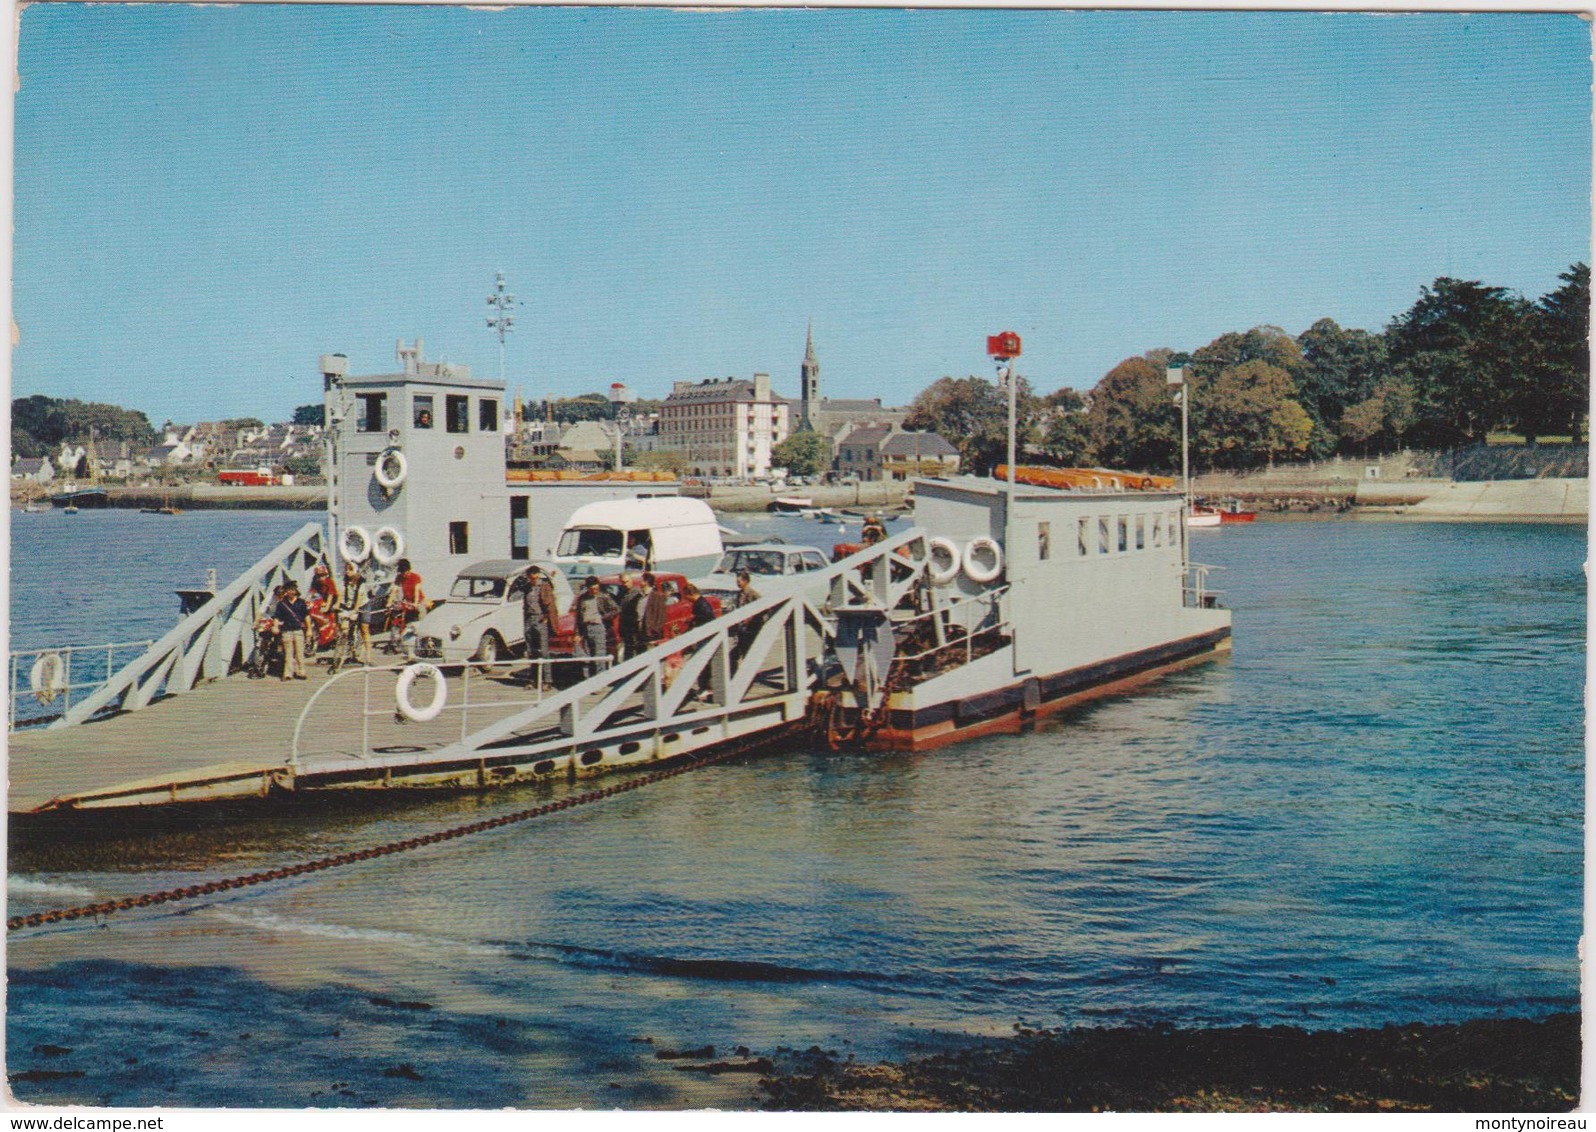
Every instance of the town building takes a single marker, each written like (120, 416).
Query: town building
(33, 469)
(725, 427)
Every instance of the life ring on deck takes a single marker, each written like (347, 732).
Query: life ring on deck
(48, 677)
(401, 468)
(974, 552)
(401, 693)
(354, 544)
(387, 545)
(942, 560)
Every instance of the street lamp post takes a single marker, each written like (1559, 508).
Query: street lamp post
(502, 321)
(1181, 376)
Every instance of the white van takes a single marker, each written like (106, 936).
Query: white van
(668, 534)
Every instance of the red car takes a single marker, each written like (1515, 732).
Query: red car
(678, 612)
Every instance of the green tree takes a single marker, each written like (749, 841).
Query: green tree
(1551, 390)
(1462, 347)
(310, 415)
(1133, 422)
(804, 453)
(1248, 415)
(973, 414)
(1066, 431)
(1379, 422)
(300, 466)
(1341, 368)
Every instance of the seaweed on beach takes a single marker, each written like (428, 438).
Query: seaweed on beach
(1480, 1066)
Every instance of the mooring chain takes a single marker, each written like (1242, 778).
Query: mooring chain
(192, 891)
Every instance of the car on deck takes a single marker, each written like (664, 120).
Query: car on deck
(480, 619)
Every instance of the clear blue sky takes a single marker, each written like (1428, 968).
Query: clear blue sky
(209, 198)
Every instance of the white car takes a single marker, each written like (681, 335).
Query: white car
(480, 620)
(774, 568)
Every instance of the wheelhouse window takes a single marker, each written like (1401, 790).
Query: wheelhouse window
(460, 538)
(1083, 530)
(1102, 534)
(1141, 532)
(421, 411)
(1124, 532)
(487, 415)
(459, 410)
(372, 413)
(1044, 541)
(1158, 530)
(520, 529)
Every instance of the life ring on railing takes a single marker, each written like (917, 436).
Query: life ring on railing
(354, 544)
(387, 545)
(942, 560)
(48, 677)
(401, 693)
(978, 549)
(401, 468)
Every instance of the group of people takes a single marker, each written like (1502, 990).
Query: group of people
(303, 626)
(604, 626)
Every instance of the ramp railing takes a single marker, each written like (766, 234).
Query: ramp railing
(748, 670)
(208, 643)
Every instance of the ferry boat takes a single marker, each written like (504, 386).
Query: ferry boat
(999, 604)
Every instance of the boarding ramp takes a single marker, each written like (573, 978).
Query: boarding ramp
(209, 643)
(750, 671)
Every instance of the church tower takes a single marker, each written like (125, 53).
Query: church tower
(809, 384)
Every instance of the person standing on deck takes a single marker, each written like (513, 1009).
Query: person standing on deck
(744, 633)
(539, 616)
(632, 619)
(349, 606)
(703, 614)
(655, 612)
(594, 608)
(292, 615)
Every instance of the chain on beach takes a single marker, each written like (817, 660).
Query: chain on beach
(193, 891)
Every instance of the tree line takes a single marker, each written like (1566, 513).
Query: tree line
(39, 424)
(1465, 360)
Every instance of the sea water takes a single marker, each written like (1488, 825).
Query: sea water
(1369, 812)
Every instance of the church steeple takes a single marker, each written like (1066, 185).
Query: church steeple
(809, 382)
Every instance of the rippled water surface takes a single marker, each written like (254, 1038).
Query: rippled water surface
(1370, 812)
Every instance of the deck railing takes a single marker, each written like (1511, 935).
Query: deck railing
(207, 644)
(43, 689)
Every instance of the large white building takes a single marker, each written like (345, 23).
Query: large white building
(725, 427)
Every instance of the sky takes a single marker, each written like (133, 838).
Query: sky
(206, 199)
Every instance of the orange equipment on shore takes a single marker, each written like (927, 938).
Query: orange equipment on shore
(1074, 479)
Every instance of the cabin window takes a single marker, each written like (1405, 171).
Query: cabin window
(1083, 529)
(1102, 534)
(520, 529)
(421, 410)
(488, 415)
(459, 538)
(1158, 530)
(1044, 541)
(372, 415)
(1141, 532)
(1124, 531)
(459, 410)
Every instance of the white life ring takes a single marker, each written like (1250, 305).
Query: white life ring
(48, 677)
(401, 693)
(390, 480)
(942, 560)
(977, 549)
(387, 545)
(354, 544)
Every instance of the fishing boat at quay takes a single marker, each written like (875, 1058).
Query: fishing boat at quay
(1004, 601)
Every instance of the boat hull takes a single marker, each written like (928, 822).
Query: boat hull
(1016, 706)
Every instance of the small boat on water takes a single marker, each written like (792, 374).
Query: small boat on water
(791, 503)
(1217, 516)
(70, 509)
(165, 509)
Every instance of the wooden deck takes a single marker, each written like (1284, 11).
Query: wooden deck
(237, 729)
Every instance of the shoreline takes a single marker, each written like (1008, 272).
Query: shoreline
(892, 496)
(1487, 1065)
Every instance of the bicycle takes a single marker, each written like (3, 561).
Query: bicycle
(346, 647)
(400, 616)
(268, 649)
